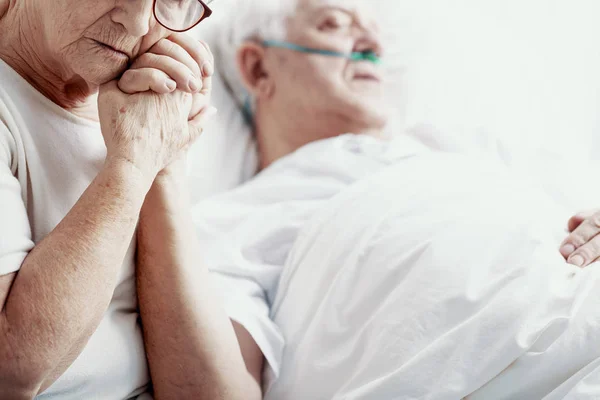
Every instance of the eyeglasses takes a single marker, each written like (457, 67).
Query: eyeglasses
(181, 15)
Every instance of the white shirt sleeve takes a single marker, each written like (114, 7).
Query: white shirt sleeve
(245, 236)
(243, 282)
(15, 231)
(245, 303)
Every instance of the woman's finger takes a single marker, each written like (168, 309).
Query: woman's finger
(198, 50)
(588, 229)
(207, 86)
(587, 253)
(145, 79)
(167, 47)
(177, 71)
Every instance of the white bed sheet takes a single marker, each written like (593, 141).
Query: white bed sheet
(438, 279)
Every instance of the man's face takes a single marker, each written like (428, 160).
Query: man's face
(95, 40)
(349, 89)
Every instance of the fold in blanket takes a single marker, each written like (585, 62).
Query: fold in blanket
(439, 278)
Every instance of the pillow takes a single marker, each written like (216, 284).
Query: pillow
(225, 155)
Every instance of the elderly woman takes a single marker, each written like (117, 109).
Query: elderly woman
(78, 173)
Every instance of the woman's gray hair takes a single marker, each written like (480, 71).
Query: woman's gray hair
(249, 20)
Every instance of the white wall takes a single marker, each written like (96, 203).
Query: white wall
(525, 70)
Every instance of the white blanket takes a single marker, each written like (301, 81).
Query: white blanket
(245, 235)
(439, 278)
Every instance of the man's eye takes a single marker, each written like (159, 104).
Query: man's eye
(336, 22)
(330, 25)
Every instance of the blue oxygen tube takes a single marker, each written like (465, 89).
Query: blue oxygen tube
(369, 55)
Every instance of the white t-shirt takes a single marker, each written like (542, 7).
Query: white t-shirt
(48, 157)
(246, 234)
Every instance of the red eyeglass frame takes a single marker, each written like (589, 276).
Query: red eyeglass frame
(207, 13)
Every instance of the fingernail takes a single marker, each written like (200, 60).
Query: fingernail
(194, 85)
(576, 260)
(567, 249)
(171, 85)
(208, 69)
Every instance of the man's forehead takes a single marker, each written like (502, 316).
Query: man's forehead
(362, 6)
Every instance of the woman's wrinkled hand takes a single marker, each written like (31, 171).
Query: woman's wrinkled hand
(148, 130)
(153, 113)
(582, 246)
(176, 62)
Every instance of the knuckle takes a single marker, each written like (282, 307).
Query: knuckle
(143, 60)
(127, 76)
(177, 36)
(595, 220)
(584, 233)
(576, 239)
(593, 247)
(177, 50)
(155, 75)
(145, 57)
(167, 46)
(590, 251)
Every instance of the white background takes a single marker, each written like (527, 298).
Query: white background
(525, 70)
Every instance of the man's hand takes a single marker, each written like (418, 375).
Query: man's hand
(582, 246)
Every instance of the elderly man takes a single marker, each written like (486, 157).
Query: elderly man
(78, 173)
(309, 71)
(320, 213)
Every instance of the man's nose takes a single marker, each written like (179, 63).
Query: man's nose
(369, 40)
(135, 15)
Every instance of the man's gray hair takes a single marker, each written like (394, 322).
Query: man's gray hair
(249, 20)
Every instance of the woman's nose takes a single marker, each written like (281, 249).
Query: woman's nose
(135, 15)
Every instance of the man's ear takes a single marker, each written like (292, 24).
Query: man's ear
(252, 69)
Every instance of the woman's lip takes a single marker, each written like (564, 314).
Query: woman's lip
(108, 47)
